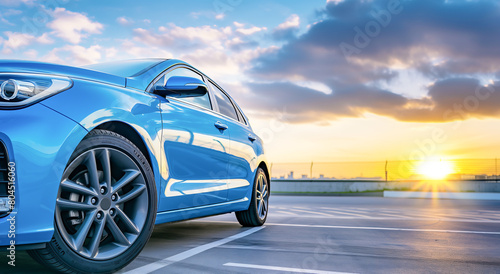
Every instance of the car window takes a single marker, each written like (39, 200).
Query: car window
(202, 101)
(240, 115)
(225, 105)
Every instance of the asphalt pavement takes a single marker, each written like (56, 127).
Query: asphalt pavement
(308, 234)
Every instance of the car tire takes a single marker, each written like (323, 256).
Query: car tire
(256, 214)
(105, 209)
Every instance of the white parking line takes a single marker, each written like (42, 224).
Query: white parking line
(374, 228)
(190, 253)
(287, 269)
(390, 228)
(287, 213)
(396, 218)
(313, 212)
(347, 213)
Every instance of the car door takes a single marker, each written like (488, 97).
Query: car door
(242, 150)
(196, 150)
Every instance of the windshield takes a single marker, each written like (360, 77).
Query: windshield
(127, 68)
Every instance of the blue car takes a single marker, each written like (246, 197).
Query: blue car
(92, 158)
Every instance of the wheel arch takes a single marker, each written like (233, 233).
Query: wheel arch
(263, 165)
(131, 134)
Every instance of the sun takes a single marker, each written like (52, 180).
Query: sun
(435, 169)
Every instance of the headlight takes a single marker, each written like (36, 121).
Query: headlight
(20, 89)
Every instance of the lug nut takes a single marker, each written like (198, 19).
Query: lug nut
(99, 215)
(103, 190)
(113, 197)
(93, 201)
(112, 212)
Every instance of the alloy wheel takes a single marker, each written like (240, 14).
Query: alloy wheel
(102, 203)
(262, 194)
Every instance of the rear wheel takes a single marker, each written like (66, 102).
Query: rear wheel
(105, 208)
(256, 214)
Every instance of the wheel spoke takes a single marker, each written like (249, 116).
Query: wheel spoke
(116, 232)
(259, 194)
(264, 192)
(126, 220)
(129, 176)
(106, 167)
(136, 191)
(259, 207)
(94, 244)
(76, 188)
(70, 205)
(82, 233)
(92, 169)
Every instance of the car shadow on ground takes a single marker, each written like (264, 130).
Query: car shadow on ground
(170, 234)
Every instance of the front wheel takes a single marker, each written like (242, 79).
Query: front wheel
(256, 214)
(105, 208)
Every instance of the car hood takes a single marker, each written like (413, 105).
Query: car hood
(72, 72)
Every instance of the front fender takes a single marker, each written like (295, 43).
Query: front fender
(40, 142)
(92, 104)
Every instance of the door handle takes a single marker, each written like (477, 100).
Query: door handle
(251, 137)
(220, 126)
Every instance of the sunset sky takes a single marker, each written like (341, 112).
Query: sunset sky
(323, 81)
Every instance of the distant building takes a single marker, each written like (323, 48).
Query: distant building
(468, 177)
(322, 176)
(304, 176)
(282, 177)
(290, 176)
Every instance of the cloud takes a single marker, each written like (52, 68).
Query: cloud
(251, 30)
(31, 54)
(44, 39)
(8, 13)
(74, 55)
(150, 51)
(287, 29)
(72, 26)
(175, 38)
(292, 22)
(446, 101)
(309, 105)
(449, 43)
(453, 99)
(238, 24)
(406, 41)
(124, 21)
(17, 40)
(334, 1)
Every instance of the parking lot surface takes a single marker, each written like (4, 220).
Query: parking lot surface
(308, 234)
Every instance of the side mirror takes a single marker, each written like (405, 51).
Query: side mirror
(182, 87)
